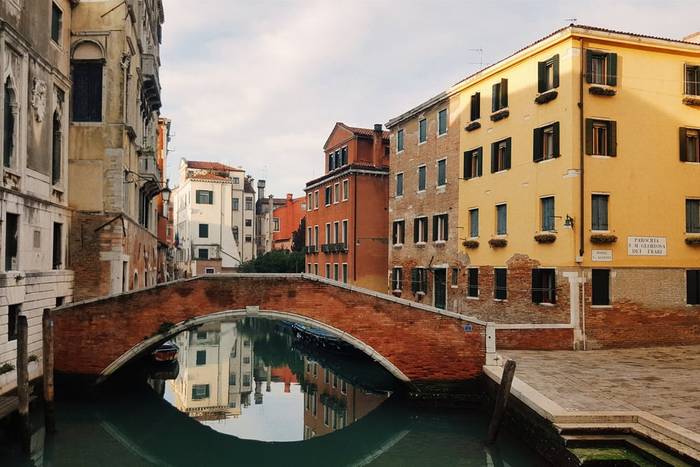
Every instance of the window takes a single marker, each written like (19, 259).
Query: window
(420, 230)
(316, 199)
(693, 286)
(601, 137)
(11, 242)
(473, 282)
(203, 230)
(545, 142)
(499, 95)
(56, 145)
(422, 131)
(204, 197)
(345, 273)
(500, 155)
(440, 227)
(442, 172)
(399, 140)
(236, 180)
(419, 280)
(246, 343)
(316, 239)
(331, 161)
(543, 286)
(345, 233)
(692, 80)
(455, 277)
(56, 23)
(442, 122)
(601, 68)
(246, 360)
(201, 357)
(692, 215)
(473, 163)
(249, 222)
(690, 145)
(399, 184)
(600, 288)
(235, 203)
(275, 224)
(501, 219)
(398, 232)
(87, 91)
(336, 232)
(421, 178)
(599, 212)
(248, 239)
(235, 233)
(344, 155)
(336, 272)
(209, 271)
(248, 203)
(500, 287)
(548, 74)
(474, 222)
(346, 190)
(328, 270)
(475, 106)
(12, 315)
(57, 256)
(309, 202)
(328, 233)
(396, 279)
(336, 192)
(316, 269)
(200, 391)
(547, 213)
(8, 146)
(202, 335)
(203, 253)
(328, 196)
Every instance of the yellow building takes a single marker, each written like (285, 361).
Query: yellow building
(579, 190)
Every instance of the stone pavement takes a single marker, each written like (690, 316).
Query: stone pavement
(662, 380)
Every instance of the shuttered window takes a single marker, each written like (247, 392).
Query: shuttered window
(397, 279)
(204, 197)
(601, 137)
(442, 172)
(420, 230)
(547, 213)
(601, 68)
(442, 122)
(200, 391)
(475, 106)
(474, 222)
(500, 155)
(544, 286)
(398, 231)
(421, 178)
(499, 95)
(473, 163)
(693, 286)
(545, 142)
(689, 145)
(399, 140)
(419, 280)
(201, 357)
(87, 91)
(501, 219)
(473, 282)
(8, 142)
(440, 228)
(422, 131)
(399, 184)
(692, 80)
(56, 23)
(600, 286)
(692, 215)
(599, 212)
(500, 287)
(548, 74)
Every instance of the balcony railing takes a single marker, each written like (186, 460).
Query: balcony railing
(334, 247)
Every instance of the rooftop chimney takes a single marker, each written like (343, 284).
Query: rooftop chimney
(377, 145)
(261, 189)
(694, 37)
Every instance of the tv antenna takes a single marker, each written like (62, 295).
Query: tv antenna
(571, 20)
(481, 57)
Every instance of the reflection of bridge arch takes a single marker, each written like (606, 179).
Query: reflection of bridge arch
(415, 342)
(149, 343)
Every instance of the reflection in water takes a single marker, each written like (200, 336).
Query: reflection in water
(220, 372)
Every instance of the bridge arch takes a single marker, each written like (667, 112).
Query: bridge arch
(250, 312)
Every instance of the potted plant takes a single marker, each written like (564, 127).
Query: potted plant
(498, 242)
(693, 240)
(546, 96)
(601, 239)
(471, 244)
(545, 238)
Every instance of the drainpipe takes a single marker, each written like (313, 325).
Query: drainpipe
(582, 159)
(354, 230)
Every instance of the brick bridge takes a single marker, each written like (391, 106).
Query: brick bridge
(415, 342)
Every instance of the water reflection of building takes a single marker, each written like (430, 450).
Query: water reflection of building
(330, 402)
(216, 372)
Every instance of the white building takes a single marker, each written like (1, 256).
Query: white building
(214, 218)
(34, 218)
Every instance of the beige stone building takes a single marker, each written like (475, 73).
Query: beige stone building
(114, 53)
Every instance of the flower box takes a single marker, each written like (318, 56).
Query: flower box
(546, 97)
(498, 242)
(473, 126)
(545, 238)
(601, 91)
(693, 240)
(471, 244)
(601, 239)
(500, 115)
(691, 100)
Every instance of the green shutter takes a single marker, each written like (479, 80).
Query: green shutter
(611, 78)
(612, 138)
(557, 150)
(494, 97)
(537, 145)
(504, 93)
(536, 284)
(494, 157)
(507, 161)
(541, 76)
(435, 228)
(477, 106)
(589, 136)
(468, 164)
(683, 133)
(446, 229)
(589, 65)
(415, 230)
(425, 229)
(555, 82)
(480, 161)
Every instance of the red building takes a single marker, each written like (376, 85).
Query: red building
(346, 209)
(286, 220)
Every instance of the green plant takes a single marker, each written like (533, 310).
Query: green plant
(693, 240)
(33, 358)
(165, 327)
(498, 242)
(6, 368)
(545, 238)
(603, 238)
(471, 244)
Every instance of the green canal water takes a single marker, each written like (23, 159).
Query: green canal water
(249, 392)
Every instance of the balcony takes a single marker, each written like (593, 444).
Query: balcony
(151, 82)
(311, 249)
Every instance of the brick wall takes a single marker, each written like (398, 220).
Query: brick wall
(535, 339)
(424, 345)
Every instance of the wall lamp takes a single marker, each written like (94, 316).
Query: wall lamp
(155, 187)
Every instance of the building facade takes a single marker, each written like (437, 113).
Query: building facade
(286, 220)
(34, 213)
(264, 226)
(114, 176)
(164, 210)
(564, 216)
(214, 217)
(346, 208)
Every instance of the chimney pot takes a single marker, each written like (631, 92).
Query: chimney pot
(377, 127)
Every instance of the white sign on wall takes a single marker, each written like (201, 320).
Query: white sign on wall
(602, 255)
(646, 246)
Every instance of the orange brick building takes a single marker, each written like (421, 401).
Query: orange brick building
(285, 220)
(346, 209)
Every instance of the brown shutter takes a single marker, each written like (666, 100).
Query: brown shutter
(683, 140)
(611, 78)
(557, 151)
(556, 71)
(504, 93)
(589, 65)
(612, 138)
(468, 165)
(541, 76)
(589, 136)
(537, 145)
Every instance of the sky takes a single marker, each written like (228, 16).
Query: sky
(260, 84)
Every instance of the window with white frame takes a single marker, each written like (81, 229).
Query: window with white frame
(442, 122)
(397, 279)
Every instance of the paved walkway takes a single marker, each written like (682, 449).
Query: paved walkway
(663, 381)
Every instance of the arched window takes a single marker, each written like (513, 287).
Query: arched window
(8, 139)
(87, 82)
(56, 152)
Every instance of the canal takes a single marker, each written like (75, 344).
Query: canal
(260, 392)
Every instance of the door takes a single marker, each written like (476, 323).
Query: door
(440, 288)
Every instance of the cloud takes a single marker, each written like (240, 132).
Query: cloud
(260, 84)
